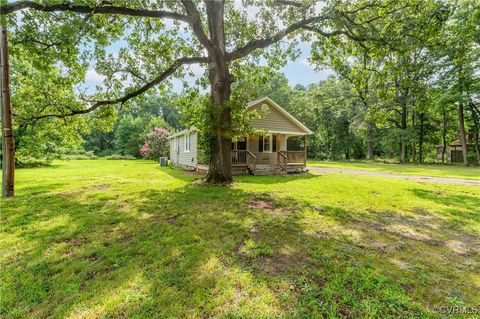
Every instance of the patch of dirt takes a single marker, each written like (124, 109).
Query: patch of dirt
(262, 204)
(424, 228)
(172, 219)
(72, 244)
(254, 231)
(457, 247)
(124, 207)
(101, 187)
(282, 263)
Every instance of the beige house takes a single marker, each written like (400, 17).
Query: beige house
(263, 154)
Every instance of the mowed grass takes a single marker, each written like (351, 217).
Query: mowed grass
(128, 239)
(437, 170)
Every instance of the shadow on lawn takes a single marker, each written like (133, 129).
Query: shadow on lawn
(274, 179)
(450, 201)
(213, 252)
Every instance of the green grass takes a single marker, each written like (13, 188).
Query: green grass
(437, 170)
(128, 239)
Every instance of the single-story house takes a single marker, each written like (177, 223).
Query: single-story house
(262, 154)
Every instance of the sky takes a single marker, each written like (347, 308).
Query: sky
(299, 71)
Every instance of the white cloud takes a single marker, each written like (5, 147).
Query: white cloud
(93, 78)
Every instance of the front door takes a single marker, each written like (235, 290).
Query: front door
(242, 144)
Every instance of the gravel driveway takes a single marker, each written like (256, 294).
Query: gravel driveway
(431, 179)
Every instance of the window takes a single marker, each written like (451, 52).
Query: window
(175, 144)
(267, 143)
(187, 142)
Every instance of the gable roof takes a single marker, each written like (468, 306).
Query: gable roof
(251, 104)
(192, 129)
(281, 110)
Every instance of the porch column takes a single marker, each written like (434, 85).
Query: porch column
(305, 150)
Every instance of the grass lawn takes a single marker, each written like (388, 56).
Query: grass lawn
(128, 239)
(437, 170)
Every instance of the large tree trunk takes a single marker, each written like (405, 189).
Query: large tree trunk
(221, 80)
(414, 147)
(403, 144)
(463, 139)
(421, 136)
(476, 129)
(369, 140)
(444, 134)
(220, 162)
(8, 145)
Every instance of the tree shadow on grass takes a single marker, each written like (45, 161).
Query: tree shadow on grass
(23, 192)
(198, 251)
(275, 179)
(451, 201)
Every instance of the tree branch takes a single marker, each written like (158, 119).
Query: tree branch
(102, 9)
(334, 33)
(290, 3)
(263, 43)
(196, 23)
(121, 100)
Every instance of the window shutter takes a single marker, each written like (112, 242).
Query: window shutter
(274, 143)
(260, 143)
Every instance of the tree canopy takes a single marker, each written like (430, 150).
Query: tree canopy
(400, 59)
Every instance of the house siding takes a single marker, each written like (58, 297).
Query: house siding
(180, 157)
(266, 157)
(274, 120)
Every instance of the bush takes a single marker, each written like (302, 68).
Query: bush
(156, 144)
(80, 155)
(85, 156)
(120, 157)
(29, 161)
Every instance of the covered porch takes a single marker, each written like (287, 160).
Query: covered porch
(266, 154)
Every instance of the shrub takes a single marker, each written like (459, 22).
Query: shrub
(121, 157)
(84, 155)
(156, 144)
(29, 161)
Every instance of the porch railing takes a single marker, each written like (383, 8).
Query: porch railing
(291, 157)
(243, 157)
(282, 160)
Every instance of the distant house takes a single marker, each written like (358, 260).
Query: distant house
(263, 154)
(453, 152)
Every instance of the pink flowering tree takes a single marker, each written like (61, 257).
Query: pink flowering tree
(156, 144)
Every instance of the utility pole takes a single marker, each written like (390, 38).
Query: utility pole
(8, 145)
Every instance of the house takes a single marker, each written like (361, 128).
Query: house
(262, 154)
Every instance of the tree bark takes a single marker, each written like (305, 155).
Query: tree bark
(414, 147)
(403, 144)
(463, 139)
(221, 80)
(444, 134)
(476, 128)
(420, 138)
(8, 145)
(370, 140)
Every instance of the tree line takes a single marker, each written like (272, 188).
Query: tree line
(402, 59)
